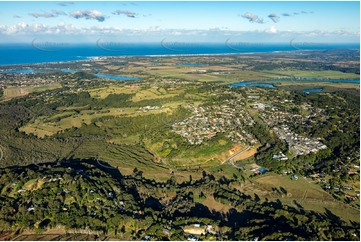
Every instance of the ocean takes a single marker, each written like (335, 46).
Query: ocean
(12, 54)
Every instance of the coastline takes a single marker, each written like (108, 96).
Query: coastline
(97, 58)
(102, 57)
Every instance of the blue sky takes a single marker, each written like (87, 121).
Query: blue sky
(183, 21)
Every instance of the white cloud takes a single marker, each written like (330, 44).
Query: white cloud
(14, 29)
(252, 18)
(26, 32)
(127, 13)
(88, 14)
(271, 30)
(52, 14)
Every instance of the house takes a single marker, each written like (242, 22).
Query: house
(259, 171)
(294, 177)
(262, 170)
(31, 209)
(353, 198)
(146, 238)
(314, 176)
(191, 237)
(210, 229)
(352, 173)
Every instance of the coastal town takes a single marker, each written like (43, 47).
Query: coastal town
(278, 114)
(27, 80)
(207, 122)
(232, 118)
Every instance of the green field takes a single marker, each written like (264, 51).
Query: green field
(327, 87)
(313, 74)
(12, 92)
(103, 92)
(303, 191)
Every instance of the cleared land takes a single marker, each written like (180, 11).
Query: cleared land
(12, 92)
(246, 154)
(154, 93)
(217, 206)
(194, 230)
(103, 92)
(308, 195)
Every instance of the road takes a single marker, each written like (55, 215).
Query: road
(234, 155)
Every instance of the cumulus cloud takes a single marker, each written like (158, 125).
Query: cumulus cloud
(88, 14)
(37, 28)
(274, 17)
(9, 30)
(127, 13)
(271, 30)
(52, 14)
(252, 18)
(27, 32)
(64, 4)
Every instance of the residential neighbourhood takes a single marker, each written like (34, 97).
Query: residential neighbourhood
(298, 144)
(206, 122)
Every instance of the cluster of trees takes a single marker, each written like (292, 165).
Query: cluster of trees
(340, 132)
(270, 145)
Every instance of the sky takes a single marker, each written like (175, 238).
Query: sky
(253, 22)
